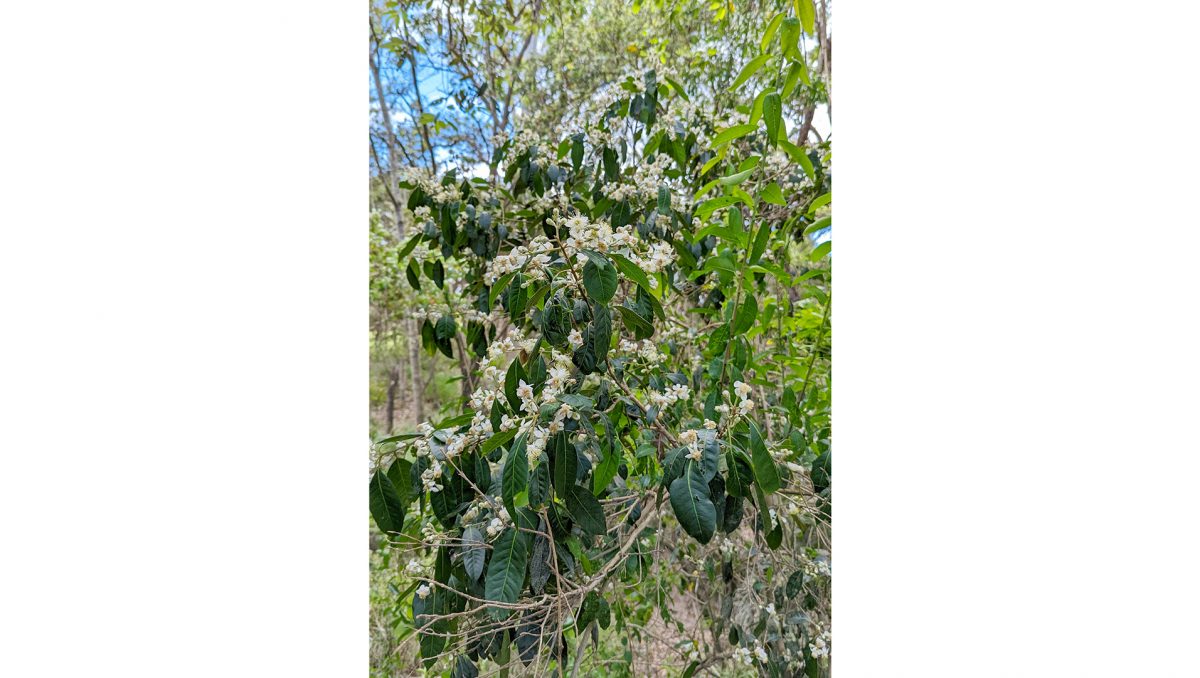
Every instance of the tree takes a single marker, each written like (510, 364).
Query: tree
(645, 301)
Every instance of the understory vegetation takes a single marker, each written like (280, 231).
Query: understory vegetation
(600, 328)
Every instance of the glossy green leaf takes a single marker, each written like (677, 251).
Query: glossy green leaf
(506, 571)
(818, 225)
(746, 314)
(773, 194)
(821, 250)
(387, 507)
(692, 505)
(498, 439)
(474, 553)
(585, 510)
(730, 133)
(766, 473)
(772, 116)
(769, 34)
(514, 478)
(807, 14)
(599, 278)
(749, 70)
(565, 464)
(632, 271)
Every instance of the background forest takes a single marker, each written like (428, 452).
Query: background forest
(600, 326)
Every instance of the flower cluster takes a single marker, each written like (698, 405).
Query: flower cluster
(820, 646)
(747, 656)
(414, 568)
(691, 438)
(667, 398)
(500, 521)
(645, 349)
(531, 259)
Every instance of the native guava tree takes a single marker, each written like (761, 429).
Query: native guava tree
(649, 313)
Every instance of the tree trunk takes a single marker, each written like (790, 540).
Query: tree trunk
(414, 363)
(393, 381)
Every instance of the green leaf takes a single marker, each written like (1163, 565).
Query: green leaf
(464, 668)
(632, 271)
(473, 552)
(760, 242)
(730, 133)
(769, 34)
(397, 438)
(773, 194)
(565, 464)
(772, 116)
(599, 277)
(515, 476)
(749, 70)
(585, 510)
(576, 152)
(819, 202)
(740, 473)
(789, 36)
(401, 476)
(821, 250)
(408, 247)
(387, 508)
(678, 88)
(600, 331)
(498, 287)
(506, 572)
(712, 163)
(664, 200)
(512, 381)
(746, 314)
(734, 179)
(413, 275)
(455, 422)
(819, 224)
(804, 8)
(709, 206)
(640, 327)
(798, 157)
(606, 470)
(796, 73)
(765, 471)
(498, 439)
(692, 505)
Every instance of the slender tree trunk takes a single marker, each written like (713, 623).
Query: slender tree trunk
(414, 363)
(393, 381)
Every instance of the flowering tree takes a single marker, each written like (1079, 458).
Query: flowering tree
(645, 306)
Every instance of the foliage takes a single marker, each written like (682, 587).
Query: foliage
(641, 305)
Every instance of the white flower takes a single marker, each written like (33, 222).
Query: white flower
(770, 609)
(819, 647)
(742, 389)
(575, 338)
(414, 568)
(760, 652)
(423, 590)
(694, 452)
(742, 655)
(745, 406)
(710, 424)
(524, 391)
